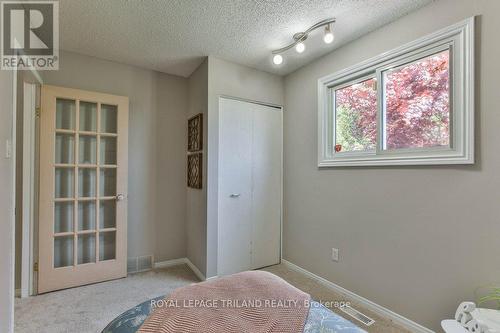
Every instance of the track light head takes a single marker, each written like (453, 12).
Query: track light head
(300, 47)
(278, 59)
(328, 37)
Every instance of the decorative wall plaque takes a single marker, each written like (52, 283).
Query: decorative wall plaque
(194, 172)
(195, 133)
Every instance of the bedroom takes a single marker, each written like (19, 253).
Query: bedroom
(126, 175)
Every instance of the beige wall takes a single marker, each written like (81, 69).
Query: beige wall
(170, 138)
(6, 205)
(404, 233)
(213, 78)
(417, 240)
(157, 191)
(196, 226)
(229, 79)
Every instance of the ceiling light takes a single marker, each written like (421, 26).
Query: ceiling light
(328, 37)
(278, 59)
(300, 37)
(300, 47)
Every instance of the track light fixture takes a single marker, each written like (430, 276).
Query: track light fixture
(300, 37)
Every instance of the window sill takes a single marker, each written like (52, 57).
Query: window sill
(394, 161)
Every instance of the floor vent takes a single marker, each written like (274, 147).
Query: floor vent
(145, 263)
(139, 264)
(357, 315)
(132, 265)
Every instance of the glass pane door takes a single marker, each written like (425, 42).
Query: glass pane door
(85, 183)
(82, 229)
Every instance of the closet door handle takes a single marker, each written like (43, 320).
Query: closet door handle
(234, 195)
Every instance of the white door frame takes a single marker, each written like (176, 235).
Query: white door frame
(29, 189)
(31, 82)
(10, 325)
(280, 107)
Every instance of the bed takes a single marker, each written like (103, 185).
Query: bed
(319, 319)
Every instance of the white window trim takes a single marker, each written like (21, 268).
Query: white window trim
(460, 39)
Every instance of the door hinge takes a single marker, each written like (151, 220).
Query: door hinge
(38, 110)
(35, 267)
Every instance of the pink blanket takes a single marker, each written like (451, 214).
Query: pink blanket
(254, 301)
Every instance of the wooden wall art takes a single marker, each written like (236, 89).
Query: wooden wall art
(195, 133)
(194, 172)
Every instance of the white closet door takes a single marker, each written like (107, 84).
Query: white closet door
(266, 194)
(235, 186)
(250, 157)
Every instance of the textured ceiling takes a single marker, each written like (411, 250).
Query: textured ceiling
(173, 36)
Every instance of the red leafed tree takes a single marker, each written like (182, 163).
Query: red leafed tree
(416, 108)
(356, 121)
(417, 104)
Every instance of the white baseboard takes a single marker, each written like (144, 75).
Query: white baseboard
(180, 261)
(211, 278)
(378, 309)
(195, 270)
(170, 263)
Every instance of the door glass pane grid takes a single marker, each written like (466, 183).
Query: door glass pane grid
(108, 151)
(88, 149)
(87, 216)
(98, 162)
(65, 183)
(63, 251)
(107, 181)
(86, 183)
(65, 114)
(107, 229)
(107, 214)
(64, 213)
(64, 148)
(107, 245)
(86, 235)
(108, 119)
(88, 117)
(86, 248)
(77, 185)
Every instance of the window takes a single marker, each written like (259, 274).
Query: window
(417, 104)
(409, 106)
(356, 117)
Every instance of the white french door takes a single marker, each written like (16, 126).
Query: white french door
(83, 188)
(249, 191)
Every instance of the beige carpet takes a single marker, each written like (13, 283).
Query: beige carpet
(320, 292)
(89, 309)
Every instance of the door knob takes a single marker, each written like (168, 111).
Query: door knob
(120, 197)
(234, 195)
